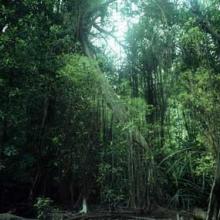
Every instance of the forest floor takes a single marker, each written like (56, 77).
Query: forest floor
(159, 213)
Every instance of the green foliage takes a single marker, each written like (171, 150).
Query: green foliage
(43, 207)
(205, 165)
(112, 173)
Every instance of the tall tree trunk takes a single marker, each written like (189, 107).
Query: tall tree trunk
(39, 143)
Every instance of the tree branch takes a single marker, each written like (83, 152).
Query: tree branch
(99, 7)
(108, 33)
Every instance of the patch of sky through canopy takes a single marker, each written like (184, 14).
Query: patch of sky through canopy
(113, 41)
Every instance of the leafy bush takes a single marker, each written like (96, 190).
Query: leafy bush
(43, 207)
